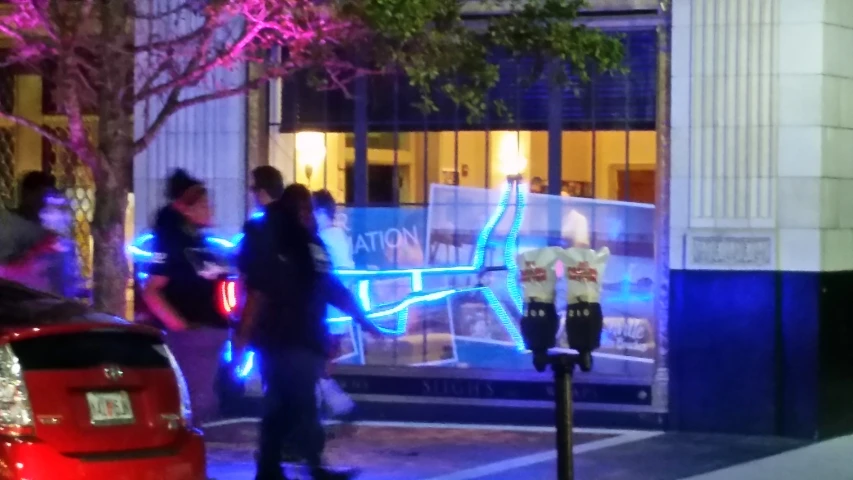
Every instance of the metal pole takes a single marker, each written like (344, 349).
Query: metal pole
(563, 388)
(660, 382)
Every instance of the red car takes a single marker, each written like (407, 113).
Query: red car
(84, 395)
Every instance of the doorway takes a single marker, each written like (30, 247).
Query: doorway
(637, 186)
(380, 184)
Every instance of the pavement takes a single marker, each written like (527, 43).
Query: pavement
(413, 451)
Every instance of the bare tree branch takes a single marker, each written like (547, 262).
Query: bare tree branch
(174, 104)
(40, 129)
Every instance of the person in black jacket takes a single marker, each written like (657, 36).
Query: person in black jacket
(292, 289)
(181, 289)
(267, 186)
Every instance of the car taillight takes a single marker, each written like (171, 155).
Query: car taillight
(227, 300)
(16, 414)
(183, 390)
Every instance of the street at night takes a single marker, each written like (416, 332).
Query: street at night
(398, 451)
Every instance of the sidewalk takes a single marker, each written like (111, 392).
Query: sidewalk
(829, 460)
(405, 451)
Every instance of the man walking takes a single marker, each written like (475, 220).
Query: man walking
(291, 282)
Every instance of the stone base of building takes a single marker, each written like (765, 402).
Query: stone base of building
(762, 352)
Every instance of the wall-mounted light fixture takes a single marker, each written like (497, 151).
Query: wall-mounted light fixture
(310, 152)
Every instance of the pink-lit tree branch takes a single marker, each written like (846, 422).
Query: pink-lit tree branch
(116, 58)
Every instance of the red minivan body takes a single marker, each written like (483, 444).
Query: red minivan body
(85, 395)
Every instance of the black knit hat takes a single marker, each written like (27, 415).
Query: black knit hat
(179, 182)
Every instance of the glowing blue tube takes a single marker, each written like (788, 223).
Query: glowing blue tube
(400, 310)
(511, 249)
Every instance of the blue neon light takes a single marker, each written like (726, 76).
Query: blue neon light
(486, 233)
(364, 294)
(417, 282)
(504, 318)
(244, 367)
(139, 253)
(511, 249)
(400, 310)
(401, 306)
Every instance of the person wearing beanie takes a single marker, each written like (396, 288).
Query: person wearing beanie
(181, 288)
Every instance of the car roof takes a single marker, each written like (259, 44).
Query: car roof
(21, 306)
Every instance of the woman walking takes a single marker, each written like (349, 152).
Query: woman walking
(181, 289)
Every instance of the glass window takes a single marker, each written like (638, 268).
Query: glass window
(434, 183)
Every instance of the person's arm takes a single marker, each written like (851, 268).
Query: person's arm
(49, 243)
(247, 318)
(152, 293)
(252, 281)
(160, 308)
(343, 299)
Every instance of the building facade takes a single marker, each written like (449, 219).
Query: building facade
(732, 203)
(761, 236)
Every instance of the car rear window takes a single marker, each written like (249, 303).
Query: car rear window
(90, 349)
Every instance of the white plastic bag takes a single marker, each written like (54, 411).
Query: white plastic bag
(332, 399)
(584, 273)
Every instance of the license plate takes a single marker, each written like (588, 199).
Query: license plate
(109, 408)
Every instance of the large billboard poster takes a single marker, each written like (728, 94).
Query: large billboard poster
(457, 214)
(468, 329)
(385, 238)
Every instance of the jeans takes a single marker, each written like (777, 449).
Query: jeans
(197, 352)
(290, 409)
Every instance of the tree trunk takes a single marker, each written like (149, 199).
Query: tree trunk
(111, 272)
(115, 159)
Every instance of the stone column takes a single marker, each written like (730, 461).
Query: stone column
(208, 140)
(761, 246)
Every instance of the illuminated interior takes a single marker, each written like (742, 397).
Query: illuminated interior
(597, 164)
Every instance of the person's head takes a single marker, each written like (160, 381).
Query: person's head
(188, 196)
(536, 185)
(267, 185)
(34, 189)
(55, 215)
(296, 205)
(324, 208)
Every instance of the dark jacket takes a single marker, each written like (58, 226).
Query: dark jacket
(295, 276)
(181, 254)
(37, 257)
